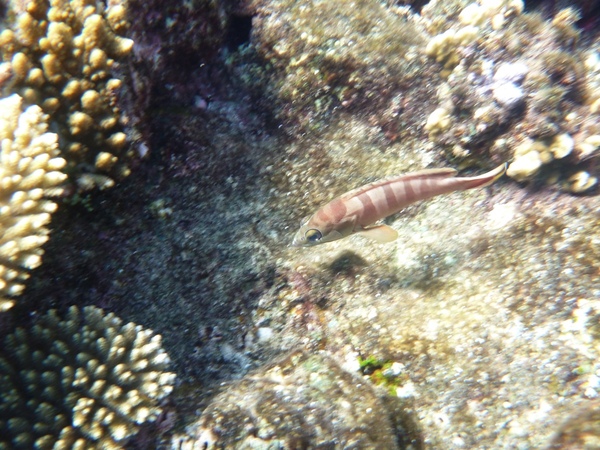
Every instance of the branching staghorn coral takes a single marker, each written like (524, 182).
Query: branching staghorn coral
(60, 54)
(30, 170)
(87, 381)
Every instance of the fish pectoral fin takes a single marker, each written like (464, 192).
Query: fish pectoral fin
(380, 233)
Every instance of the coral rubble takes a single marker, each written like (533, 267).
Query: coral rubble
(516, 89)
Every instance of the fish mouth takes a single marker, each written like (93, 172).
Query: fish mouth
(297, 241)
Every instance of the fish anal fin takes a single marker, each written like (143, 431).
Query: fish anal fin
(380, 233)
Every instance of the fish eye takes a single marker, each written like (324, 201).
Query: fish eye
(313, 235)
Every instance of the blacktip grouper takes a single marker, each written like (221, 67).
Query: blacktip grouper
(358, 211)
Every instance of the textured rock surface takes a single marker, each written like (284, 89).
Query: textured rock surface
(304, 400)
(515, 90)
(329, 56)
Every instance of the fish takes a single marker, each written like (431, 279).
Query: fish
(359, 210)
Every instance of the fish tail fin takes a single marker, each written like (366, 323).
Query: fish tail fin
(488, 178)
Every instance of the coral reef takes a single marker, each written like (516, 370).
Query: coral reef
(30, 170)
(447, 47)
(83, 381)
(61, 55)
(516, 90)
(478, 325)
(475, 302)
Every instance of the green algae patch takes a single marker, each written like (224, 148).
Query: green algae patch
(384, 373)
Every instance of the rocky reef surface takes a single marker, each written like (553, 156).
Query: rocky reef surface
(477, 328)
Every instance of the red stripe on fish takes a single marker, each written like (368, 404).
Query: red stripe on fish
(390, 195)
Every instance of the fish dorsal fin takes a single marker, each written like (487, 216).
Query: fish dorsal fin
(427, 173)
(380, 233)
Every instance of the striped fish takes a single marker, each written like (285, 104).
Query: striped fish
(358, 210)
